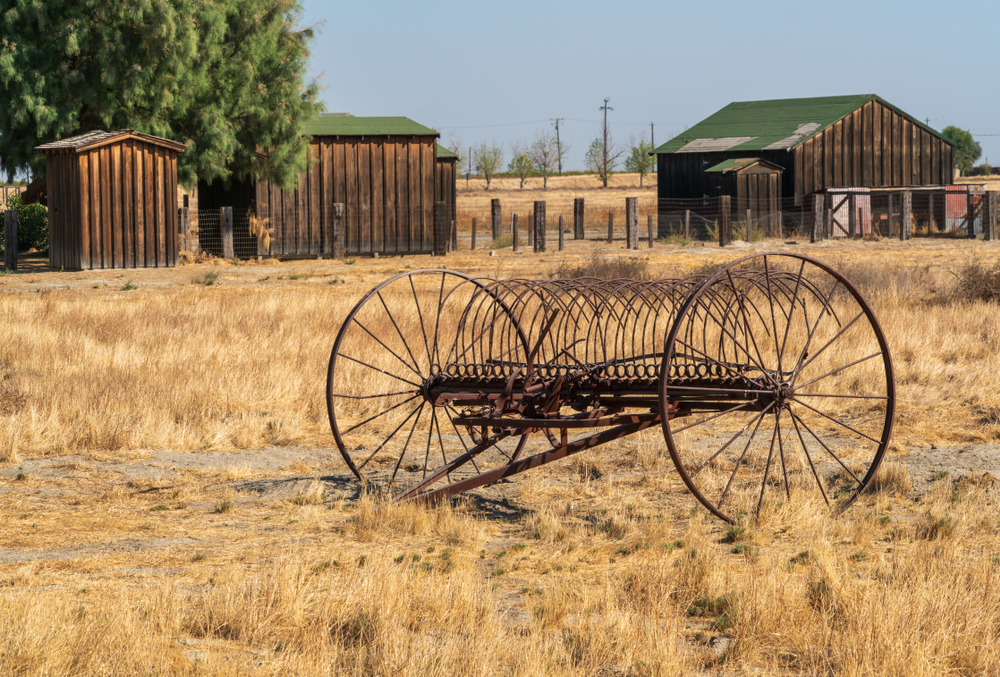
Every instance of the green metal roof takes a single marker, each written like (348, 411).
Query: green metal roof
(779, 124)
(348, 125)
(731, 164)
(443, 152)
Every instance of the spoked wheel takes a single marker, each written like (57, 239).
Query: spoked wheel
(398, 341)
(784, 387)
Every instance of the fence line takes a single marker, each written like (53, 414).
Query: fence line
(955, 211)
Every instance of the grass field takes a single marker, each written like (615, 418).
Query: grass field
(173, 502)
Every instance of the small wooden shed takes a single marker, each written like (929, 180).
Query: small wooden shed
(382, 169)
(445, 185)
(754, 184)
(112, 200)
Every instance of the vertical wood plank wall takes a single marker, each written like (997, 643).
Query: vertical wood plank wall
(113, 207)
(444, 184)
(387, 184)
(872, 147)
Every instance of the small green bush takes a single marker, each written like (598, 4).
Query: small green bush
(32, 224)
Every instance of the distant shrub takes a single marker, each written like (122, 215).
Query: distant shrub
(32, 224)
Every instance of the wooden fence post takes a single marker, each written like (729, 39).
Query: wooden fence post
(10, 240)
(473, 247)
(338, 230)
(226, 223)
(816, 234)
(440, 245)
(539, 220)
(852, 216)
(495, 215)
(725, 231)
(454, 236)
(990, 221)
(562, 227)
(611, 226)
(906, 227)
(184, 221)
(531, 231)
(890, 209)
(513, 229)
(578, 230)
(687, 224)
(970, 215)
(649, 229)
(631, 223)
(930, 212)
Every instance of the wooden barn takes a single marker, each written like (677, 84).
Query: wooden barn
(820, 143)
(112, 200)
(383, 169)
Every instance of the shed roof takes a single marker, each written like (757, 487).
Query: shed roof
(326, 124)
(778, 124)
(736, 164)
(97, 138)
(445, 154)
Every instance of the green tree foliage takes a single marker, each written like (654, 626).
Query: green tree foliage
(487, 160)
(967, 150)
(520, 165)
(226, 77)
(32, 224)
(639, 161)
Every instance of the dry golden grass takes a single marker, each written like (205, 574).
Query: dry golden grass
(598, 565)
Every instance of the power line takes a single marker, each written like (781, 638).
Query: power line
(500, 124)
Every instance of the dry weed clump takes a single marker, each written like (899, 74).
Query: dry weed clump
(893, 478)
(977, 280)
(606, 268)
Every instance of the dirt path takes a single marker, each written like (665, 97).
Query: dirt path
(256, 481)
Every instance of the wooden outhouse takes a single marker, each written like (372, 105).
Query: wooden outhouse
(382, 169)
(445, 185)
(754, 185)
(112, 200)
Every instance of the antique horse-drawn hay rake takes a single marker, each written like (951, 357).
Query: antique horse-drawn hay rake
(770, 377)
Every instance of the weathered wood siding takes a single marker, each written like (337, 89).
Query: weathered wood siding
(444, 184)
(112, 206)
(387, 185)
(756, 188)
(872, 147)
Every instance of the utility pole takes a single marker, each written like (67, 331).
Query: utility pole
(468, 170)
(606, 108)
(558, 145)
(652, 135)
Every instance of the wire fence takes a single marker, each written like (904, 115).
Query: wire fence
(950, 211)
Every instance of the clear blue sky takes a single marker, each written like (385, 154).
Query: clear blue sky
(497, 72)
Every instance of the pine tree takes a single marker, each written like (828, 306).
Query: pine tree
(226, 77)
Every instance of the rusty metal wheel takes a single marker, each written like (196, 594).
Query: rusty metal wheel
(783, 385)
(401, 338)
